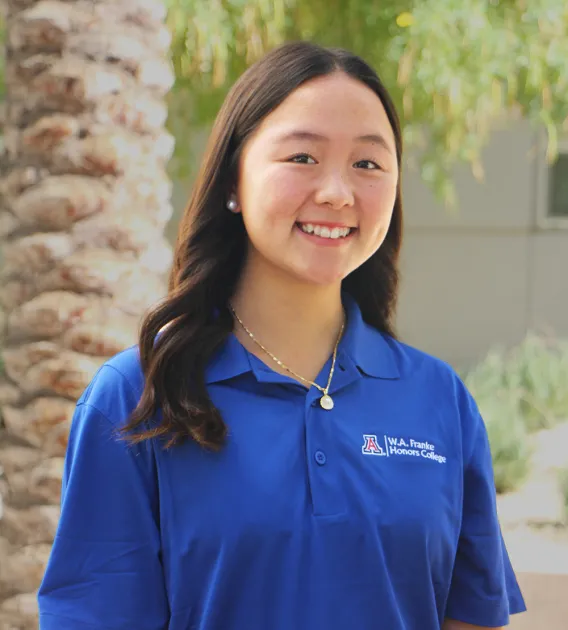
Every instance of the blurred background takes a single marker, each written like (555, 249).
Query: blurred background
(106, 109)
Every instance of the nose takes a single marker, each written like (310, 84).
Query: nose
(335, 191)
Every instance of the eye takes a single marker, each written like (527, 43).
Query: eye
(302, 158)
(368, 165)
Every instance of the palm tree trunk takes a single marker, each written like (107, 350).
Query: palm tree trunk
(84, 201)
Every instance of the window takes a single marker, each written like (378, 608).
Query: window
(551, 193)
(558, 188)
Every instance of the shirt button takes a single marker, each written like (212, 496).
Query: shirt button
(320, 457)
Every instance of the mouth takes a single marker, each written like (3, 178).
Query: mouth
(326, 231)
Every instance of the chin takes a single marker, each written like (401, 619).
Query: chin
(321, 278)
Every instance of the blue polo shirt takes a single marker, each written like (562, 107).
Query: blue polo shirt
(377, 515)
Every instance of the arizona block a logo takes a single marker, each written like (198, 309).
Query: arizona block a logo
(371, 446)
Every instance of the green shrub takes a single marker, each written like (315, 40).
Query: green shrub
(519, 392)
(511, 449)
(535, 374)
(488, 376)
(540, 368)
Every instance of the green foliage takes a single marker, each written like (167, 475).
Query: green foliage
(510, 447)
(489, 376)
(454, 67)
(520, 392)
(499, 401)
(541, 371)
(213, 43)
(533, 376)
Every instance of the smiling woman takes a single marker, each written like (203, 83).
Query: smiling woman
(270, 456)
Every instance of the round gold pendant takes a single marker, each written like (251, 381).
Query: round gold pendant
(326, 402)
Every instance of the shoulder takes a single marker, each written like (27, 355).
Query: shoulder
(117, 386)
(105, 406)
(414, 363)
(420, 370)
(441, 385)
(99, 463)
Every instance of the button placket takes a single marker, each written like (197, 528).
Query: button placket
(326, 496)
(322, 449)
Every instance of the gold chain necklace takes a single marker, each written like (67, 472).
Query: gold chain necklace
(326, 401)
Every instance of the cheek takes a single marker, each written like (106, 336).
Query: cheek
(277, 194)
(378, 202)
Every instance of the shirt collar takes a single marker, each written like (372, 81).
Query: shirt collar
(367, 348)
(230, 360)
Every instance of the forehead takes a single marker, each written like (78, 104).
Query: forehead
(335, 105)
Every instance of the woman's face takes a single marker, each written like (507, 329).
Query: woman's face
(317, 181)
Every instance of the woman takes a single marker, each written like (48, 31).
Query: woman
(285, 462)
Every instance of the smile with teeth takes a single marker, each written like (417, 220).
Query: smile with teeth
(324, 231)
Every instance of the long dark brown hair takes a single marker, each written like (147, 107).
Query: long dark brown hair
(194, 319)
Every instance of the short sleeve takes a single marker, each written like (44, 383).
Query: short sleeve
(484, 590)
(104, 572)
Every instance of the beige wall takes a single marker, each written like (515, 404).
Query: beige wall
(487, 273)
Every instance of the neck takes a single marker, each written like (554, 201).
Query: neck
(297, 322)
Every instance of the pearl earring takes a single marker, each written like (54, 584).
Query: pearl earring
(232, 205)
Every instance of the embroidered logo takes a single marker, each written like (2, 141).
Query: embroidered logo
(399, 447)
(371, 446)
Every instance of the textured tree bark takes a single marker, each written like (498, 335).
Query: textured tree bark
(84, 200)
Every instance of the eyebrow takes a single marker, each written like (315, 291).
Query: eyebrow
(370, 138)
